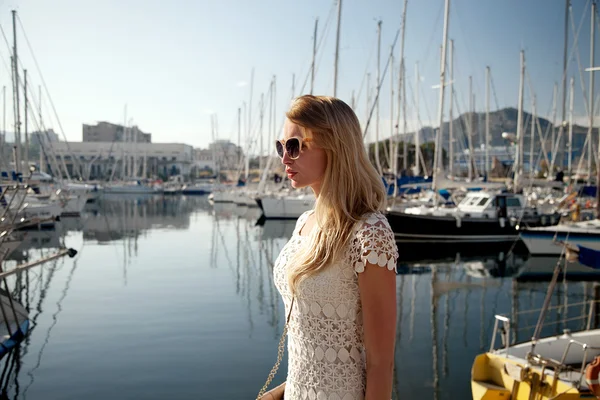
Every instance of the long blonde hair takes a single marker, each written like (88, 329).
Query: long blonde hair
(351, 186)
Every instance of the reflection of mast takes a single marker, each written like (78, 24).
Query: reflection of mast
(565, 286)
(446, 331)
(465, 341)
(274, 297)
(261, 283)
(273, 293)
(54, 321)
(11, 362)
(514, 311)
(434, 344)
(481, 317)
(412, 308)
(213, 244)
(248, 283)
(39, 304)
(400, 297)
(237, 254)
(595, 297)
(584, 303)
(124, 221)
(255, 270)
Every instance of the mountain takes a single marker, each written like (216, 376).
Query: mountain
(504, 120)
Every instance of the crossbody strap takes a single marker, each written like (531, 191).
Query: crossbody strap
(280, 351)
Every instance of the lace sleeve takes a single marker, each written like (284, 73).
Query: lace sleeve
(374, 243)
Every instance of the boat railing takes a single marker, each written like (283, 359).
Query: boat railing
(592, 307)
(505, 331)
(504, 326)
(585, 348)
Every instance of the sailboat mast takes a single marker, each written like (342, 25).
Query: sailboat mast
(519, 155)
(570, 144)
(26, 132)
(417, 139)
(553, 145)
(239, 138)
(532, 140)
(564, 74)
(16, 93)
(391, 147)
(40, 105)
(470, 130)
(337, 48)
(402, 90)
(591, 94)
(135, 152)
(314, 57)
(249, 127)
(377, 160)
(4, 111)
(487, 122)
(368, 97)
(438, 167)
(451, 114)
(260, 131)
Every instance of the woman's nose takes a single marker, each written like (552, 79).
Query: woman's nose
(286, 160)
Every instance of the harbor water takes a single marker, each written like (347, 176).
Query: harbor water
(172, 297)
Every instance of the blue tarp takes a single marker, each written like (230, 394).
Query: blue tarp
(406, 180)
(588, 191)
(589, 257)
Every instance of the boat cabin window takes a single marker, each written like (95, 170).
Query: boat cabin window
(513, 202)
(477, 201)
(470, 201)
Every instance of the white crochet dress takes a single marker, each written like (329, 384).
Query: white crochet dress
(326, 358)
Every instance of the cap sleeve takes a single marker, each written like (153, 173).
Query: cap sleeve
(374, 243)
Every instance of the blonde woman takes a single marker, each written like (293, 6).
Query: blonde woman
(337, 272)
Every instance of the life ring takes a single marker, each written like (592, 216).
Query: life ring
(592, 372)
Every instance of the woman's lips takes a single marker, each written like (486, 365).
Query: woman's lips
(291, 174)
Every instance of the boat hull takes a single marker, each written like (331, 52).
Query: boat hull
(548, 243)
(284, 207)
(414, 228)
(74, 206)
(540, 268)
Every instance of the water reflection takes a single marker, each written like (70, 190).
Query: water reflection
(250, 258)
(120, 217)
(459, 317)
(446, 300)
(30, 288)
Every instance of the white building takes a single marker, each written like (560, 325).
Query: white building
(98, 160)
(108, 132)
(39, 137)
(204, 160)
(227, 153)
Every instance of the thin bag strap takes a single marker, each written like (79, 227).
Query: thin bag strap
(279, 353)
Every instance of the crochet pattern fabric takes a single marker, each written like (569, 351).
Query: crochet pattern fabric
(326, 357)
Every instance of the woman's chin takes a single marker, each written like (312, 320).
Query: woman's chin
(296, 184)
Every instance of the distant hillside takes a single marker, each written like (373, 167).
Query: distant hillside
(504, 120)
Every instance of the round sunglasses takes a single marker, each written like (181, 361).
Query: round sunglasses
(291, 146)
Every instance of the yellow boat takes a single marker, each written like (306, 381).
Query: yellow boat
(551, 368)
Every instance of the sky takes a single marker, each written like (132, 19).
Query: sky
(173, 67)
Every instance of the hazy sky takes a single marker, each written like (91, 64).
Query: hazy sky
(174, 63)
